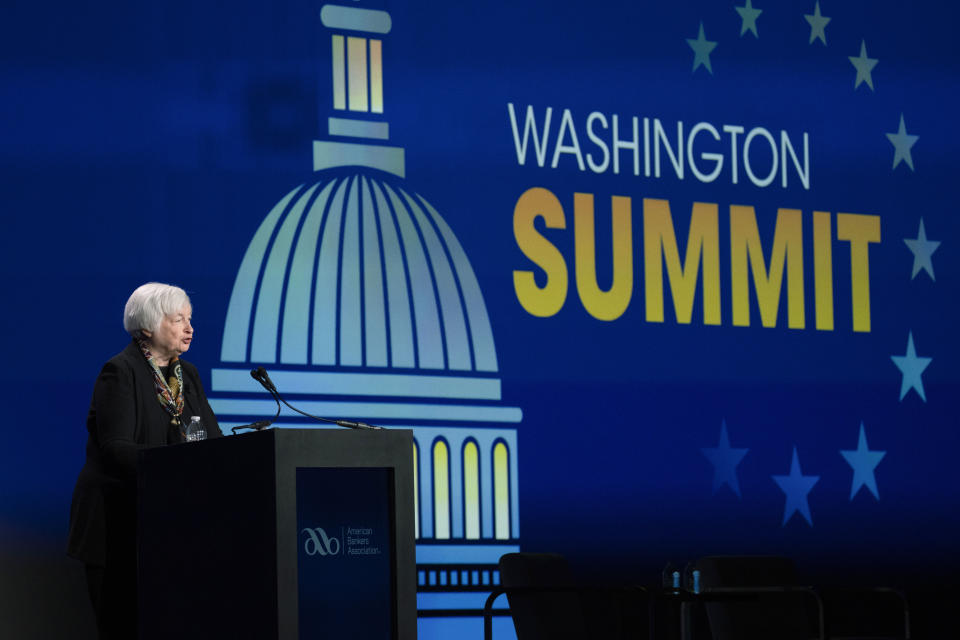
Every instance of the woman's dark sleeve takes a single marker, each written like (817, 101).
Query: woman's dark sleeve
(116, 418)
(206, 412)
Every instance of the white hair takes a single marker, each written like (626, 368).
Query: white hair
(149, 303)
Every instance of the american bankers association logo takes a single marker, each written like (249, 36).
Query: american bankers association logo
(353, 541)
(317, 542)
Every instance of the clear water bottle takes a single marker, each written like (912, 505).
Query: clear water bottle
(691, 578)
(671, 578)
(195, 430)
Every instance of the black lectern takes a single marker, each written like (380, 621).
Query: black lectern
(285, 534)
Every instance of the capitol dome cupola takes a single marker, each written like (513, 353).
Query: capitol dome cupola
(355, 271)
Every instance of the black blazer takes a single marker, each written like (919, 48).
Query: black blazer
(125, 416)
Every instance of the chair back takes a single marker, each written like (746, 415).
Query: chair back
(780, 616)
(551, 609)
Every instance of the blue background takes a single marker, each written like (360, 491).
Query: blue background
(147, 142)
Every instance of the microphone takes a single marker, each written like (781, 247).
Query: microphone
(260, 375)
(266, 381)
(257, 426)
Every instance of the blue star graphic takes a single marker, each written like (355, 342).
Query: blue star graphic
(724, 460)
(911, 366)
(701, 50)
(922, 251)
(796, 486)
(818, 24)
(748, 18)
(863, 461)
(902, 143)
(864, 67)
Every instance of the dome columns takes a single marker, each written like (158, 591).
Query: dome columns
(357, 91)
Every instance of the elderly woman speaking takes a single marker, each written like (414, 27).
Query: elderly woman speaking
(144, 397)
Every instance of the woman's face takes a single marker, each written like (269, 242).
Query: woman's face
(172, 337)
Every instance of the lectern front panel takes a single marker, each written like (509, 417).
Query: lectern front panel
(346, 570)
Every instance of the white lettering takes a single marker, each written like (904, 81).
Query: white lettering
(595, 139)
(566, 124)
(733, 130)
(707, 160)
(716, 158)
(759, 131)
(618, 144)
(530, 129)
(785, 147)
(676, 159)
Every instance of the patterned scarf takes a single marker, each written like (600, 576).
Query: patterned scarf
(170, 391)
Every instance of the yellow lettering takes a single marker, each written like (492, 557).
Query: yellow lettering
(543, 301)
(859, 230)
(787, 252)
(660, 245)
(538, 209)
(610, 304)
(823, 270)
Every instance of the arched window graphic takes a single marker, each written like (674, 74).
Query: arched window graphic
(416, 491)
(471, 490)
(441, 490)
(501, 491)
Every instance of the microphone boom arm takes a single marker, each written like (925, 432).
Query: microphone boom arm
(260, 375)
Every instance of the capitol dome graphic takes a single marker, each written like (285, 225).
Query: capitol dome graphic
(358, 298)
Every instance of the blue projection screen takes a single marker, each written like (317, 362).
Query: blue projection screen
(648, 281)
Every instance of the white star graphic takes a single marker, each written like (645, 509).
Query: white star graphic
(701, 50)
(922, 251)
(864, 66)
(911, 366)
(818, 24)
(748, 18)
(902, 143)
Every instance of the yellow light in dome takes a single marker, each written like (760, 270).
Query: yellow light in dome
(501, 492)
(339, 75)
(376, 76)
(357, 73)
(416, 492)
(471, 491)
(441, 491)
